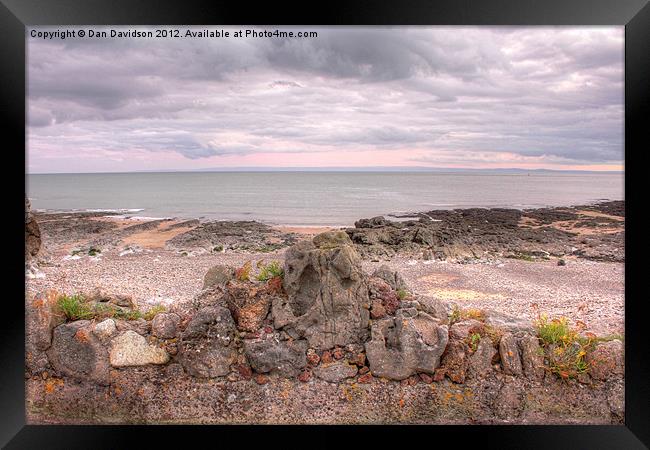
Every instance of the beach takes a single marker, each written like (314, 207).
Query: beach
(147, 260)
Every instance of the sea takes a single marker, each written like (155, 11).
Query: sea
(313, 198)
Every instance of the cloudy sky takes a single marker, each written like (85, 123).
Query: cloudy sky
(498, 97)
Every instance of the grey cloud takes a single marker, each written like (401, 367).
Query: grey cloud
(532, 92)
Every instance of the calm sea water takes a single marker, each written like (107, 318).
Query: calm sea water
(313, 198)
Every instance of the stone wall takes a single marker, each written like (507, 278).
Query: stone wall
(324, 343)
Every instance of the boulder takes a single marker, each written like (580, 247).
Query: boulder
(105, 329)
(507, 322)
(336, 371)
(249, 304)
(607, 360)
(285, 358)
(409, 343)
(461, 330)
(532, 357)
(434, 307)
(480, 362)
(42, 317)
(165, 325)
(375, 222)
(392, 277)
(218, 275)
(455, 360)
(207, 348)
(77, 353)
(132, 349)
(509, 353)
(327, 301)
(32, 233)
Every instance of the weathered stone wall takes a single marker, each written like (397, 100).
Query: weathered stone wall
(325, 344)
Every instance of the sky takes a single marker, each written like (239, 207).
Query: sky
(443, 97)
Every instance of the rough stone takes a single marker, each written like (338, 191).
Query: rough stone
(42, 317)
(77, 353)
(286, 358)
(336, 371)
(509, 353)
(532, 357)
(461, 330)
(218, 275)
(392, 277)
(381, 294)
(434, 307)
(507, 322)
(248, 304)
(405, 345)
(327, 300)
(377, 310)
(100, 295)
(132, 349)
(455, 360)
(207, 348)
(607, 360)
(165, 325)
(105, 329)
(32, 233)
(480, 362)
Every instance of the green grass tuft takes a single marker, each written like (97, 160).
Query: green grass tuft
(271, 270)
(74, 307)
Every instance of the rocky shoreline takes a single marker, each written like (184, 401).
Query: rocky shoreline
(321, 336)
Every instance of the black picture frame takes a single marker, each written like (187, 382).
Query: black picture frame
(16, 15)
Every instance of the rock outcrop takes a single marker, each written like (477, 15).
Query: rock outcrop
(407, 344)
(477, 233)
(327, 296)
(32, 233)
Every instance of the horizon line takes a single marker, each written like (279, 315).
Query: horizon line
(333, 169)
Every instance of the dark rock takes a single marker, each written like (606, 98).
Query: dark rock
(207, 346)
(375, 222)
(327, 300)
(561, 262)
(77, 353)
(165, 325)
(403, 346)
(218, 275)
(287, 358)
(509, 353)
